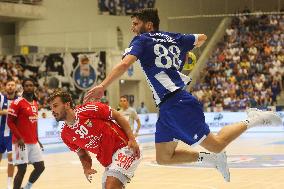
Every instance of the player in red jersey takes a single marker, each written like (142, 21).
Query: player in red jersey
(95, 127)
(22, 120)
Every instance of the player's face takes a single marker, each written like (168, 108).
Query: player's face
(58, 109)
(11, 87)
(29, 87)
(138, 26)
(123, 103)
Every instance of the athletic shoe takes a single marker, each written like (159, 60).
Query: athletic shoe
(258, 117)
(222, 165)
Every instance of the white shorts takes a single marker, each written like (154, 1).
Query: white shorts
(123, 166)
(31, 154)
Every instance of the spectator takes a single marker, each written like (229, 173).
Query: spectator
(130, 114)
(142, 109)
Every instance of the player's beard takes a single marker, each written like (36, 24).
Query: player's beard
(62, 115)
(143, 29)
(11, 94)
(30, 96)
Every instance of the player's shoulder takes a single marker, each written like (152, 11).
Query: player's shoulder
(64, 130)
(90, 106)
(138, 38)
(18, 100)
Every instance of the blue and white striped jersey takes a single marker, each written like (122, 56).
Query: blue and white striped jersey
(162, 56)
(4, 105)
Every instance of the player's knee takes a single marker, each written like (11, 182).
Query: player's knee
(22, 169)
(111, 185)
(10, 160)
(40, 168)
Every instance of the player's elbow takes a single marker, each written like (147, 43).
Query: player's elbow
(125, 65)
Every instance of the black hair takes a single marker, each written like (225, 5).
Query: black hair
(26, 80)
(148, 15)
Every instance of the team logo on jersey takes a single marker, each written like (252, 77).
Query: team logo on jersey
(34, 109)
(89, 123)
(33, 119)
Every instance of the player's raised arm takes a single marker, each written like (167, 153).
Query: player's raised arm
(86, 162)
(200, 40)
(98, 91)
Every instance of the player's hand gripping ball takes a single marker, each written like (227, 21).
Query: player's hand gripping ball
(190, 62)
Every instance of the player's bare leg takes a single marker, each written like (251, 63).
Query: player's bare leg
(113, 183)
(35, 174)
(216, 143)
(19, 175)
(10, 171)
(166, 153)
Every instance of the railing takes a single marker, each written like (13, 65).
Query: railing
(29, 2)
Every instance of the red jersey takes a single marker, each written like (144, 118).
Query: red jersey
(95, 132)
(26, 114)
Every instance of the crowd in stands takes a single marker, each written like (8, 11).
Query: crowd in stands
(11, 68)
(50, 71)
(246, 69)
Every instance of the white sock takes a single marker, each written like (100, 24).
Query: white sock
(207, 157)
(28, 185)
(9, 182)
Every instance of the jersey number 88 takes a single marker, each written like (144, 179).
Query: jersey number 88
(171, 55)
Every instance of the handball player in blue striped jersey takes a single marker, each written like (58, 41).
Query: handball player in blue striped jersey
(162, 56)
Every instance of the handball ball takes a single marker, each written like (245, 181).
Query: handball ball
(190, 62)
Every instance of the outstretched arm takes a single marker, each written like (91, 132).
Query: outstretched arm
(117, 71)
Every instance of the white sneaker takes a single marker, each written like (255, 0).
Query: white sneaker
(258, 117)
(222, 165)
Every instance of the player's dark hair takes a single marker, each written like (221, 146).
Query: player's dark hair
(148, 15)
(64, 96)
(26, 80)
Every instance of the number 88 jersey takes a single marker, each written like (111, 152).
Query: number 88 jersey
(162, 56)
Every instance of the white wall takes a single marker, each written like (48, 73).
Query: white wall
(73, 24)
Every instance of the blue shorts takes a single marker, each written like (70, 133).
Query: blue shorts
(181, 117)
(5, 144)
